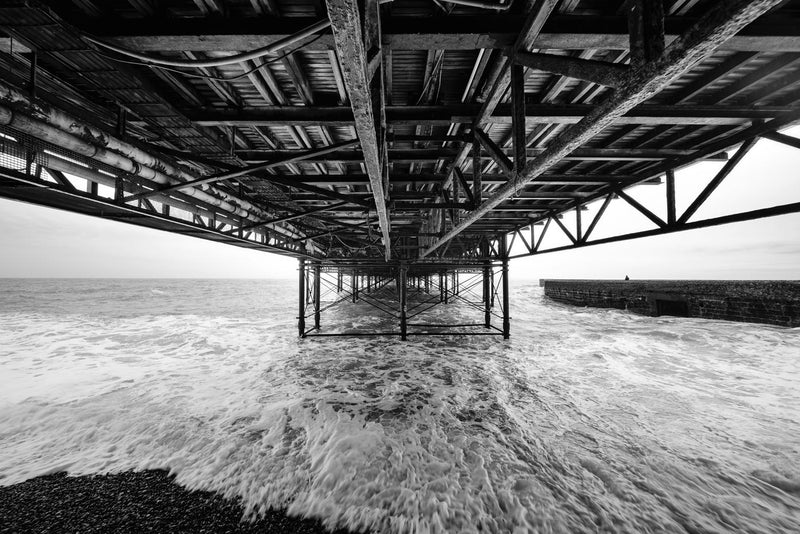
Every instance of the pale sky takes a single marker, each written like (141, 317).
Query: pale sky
(42, 242)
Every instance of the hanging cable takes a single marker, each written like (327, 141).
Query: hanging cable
(208, 76)
(218, 62)
(479, 4)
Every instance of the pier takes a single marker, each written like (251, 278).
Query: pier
(403, 153)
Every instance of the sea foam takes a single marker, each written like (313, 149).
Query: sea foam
(585, 420)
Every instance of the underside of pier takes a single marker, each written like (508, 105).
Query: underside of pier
(401, 150)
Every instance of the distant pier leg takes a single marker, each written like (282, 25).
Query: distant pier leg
(487, 287)
(403, 292)
(487, 297)
(316, 295)
(506, 317)
(301, 299)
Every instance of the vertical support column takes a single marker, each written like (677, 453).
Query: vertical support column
(491, 288)
(487, 296)
(403, 295)
(122, 122)
(477, 172)
(441, 287)
(487, 289)
(506, 317)
(354, 284)
(578, 225)
(301, 298)
(339, 285)
(646, 28)
(317, 296)
(518, 116)
(671, 217)
(119, 189)
(445, 277)
(32, 83)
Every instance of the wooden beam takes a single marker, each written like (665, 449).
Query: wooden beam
(756, 76)
(722, 22)
(695, 87)
(600, 72)
(347, 32)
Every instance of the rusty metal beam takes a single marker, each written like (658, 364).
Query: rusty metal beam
(722, 22)
(463, 32)
(350, 46)
(445, 115)
(600, 72)
(229, 175)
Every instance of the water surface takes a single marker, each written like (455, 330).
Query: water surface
(585, 420)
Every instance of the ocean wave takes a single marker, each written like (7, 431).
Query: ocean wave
(585, 420)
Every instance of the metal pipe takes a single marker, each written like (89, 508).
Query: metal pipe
(479, 4)
(53, 135)
(95, 177)
(138, 161)
(221, 62)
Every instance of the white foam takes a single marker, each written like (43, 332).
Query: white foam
(586, 419)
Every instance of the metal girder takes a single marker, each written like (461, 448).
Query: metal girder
(467, 32)
(350, 46)
(19, 186)
(722, 22)
(445, 115)
(673, 222)
(601, 72)
(752, 215)
(282, 159)
(493, 152)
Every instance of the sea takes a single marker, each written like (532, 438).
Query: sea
(586, 420)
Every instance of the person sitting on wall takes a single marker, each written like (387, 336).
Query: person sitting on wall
(626, 277)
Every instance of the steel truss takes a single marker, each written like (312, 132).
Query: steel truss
(36, 171)
(675, 222)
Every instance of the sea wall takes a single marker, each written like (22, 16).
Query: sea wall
(770, 302)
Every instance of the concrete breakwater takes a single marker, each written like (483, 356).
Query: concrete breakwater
(769, 302)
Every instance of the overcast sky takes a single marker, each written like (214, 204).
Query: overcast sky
(41, 242)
